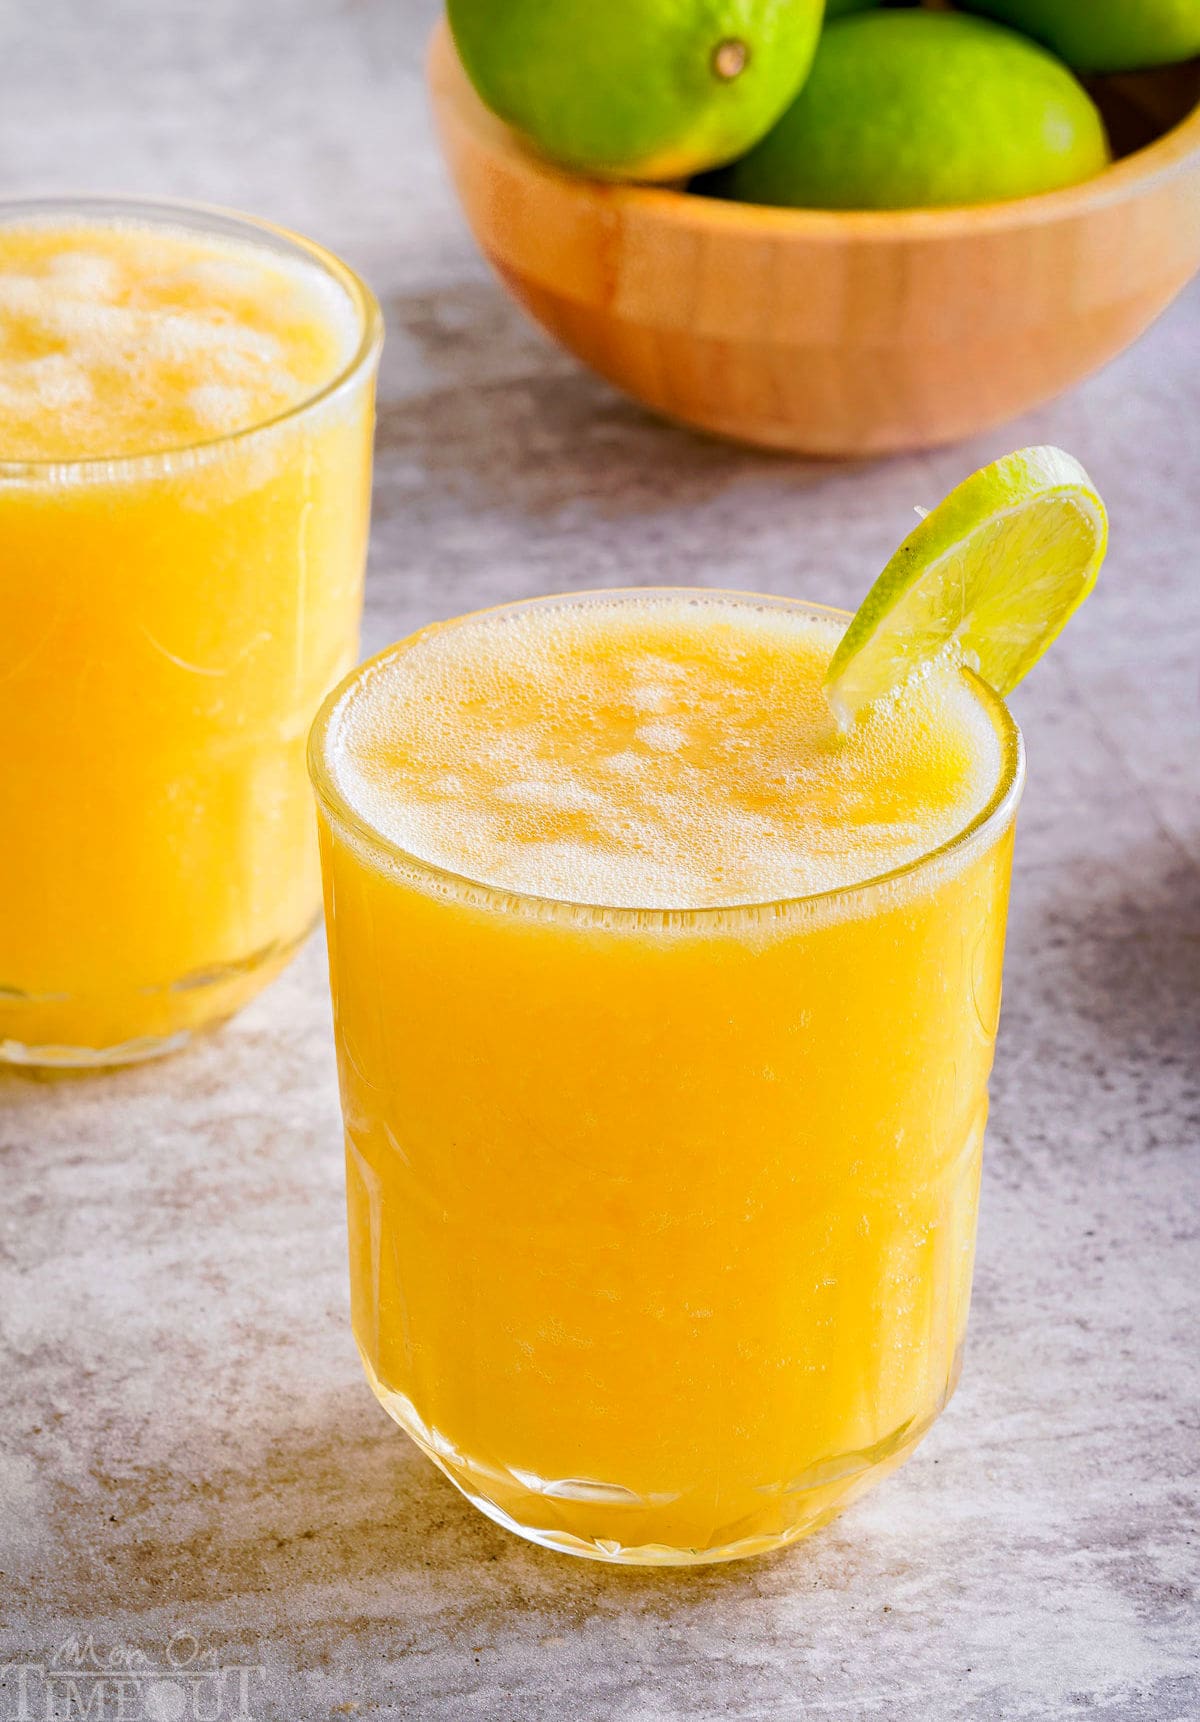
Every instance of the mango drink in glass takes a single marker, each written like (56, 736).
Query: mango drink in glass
(186, 408)
(665, 1010)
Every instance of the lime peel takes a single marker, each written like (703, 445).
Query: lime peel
(992, 576)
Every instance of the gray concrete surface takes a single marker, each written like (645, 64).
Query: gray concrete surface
(186, 1444)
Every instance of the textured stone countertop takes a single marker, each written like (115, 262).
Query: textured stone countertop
(187, 1446)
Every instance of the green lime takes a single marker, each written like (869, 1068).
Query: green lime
(1106, 35)
(637, 89)
(910, 109)
(991, 577)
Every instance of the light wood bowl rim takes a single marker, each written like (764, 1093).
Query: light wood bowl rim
(1176, 151)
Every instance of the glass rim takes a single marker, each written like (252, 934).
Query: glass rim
(213, 219)
(979, 832)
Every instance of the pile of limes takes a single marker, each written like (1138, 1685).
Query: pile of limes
(818, 104)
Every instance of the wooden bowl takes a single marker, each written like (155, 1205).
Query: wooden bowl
(834, 333)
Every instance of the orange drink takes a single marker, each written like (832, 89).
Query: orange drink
(665, 1011)
(186, 405)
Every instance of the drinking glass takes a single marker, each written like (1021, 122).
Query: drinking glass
(662, 1222)
(171, 622)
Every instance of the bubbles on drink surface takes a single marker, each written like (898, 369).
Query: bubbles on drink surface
(123, 340)
(654, 752)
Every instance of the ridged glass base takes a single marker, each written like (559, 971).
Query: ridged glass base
(52, 1057)
(540, 1509)
(61, 1032)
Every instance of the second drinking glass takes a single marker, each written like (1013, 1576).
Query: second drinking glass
(185, 460)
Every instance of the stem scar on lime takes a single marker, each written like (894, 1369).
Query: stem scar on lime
(730, 59)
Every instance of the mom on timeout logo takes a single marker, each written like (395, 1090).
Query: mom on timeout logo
(84, 1682)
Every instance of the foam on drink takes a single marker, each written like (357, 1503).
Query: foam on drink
(657, 752)
(120, 340)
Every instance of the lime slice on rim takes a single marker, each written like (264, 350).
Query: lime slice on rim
(990, 578)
